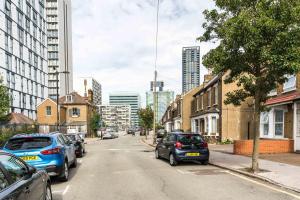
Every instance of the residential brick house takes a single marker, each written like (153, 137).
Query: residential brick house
(172, 117)
(75, 113)
(215, 120)
(282, 120)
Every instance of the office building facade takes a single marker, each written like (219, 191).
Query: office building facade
(190, 68)
(115, 116)
(23, 54)
(163, 99)
(131, 99)
(60, 65)
(84, 84)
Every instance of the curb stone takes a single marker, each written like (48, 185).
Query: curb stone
(255, 176)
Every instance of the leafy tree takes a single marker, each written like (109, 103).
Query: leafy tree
(259, 43)
(4, 101)
(95, 122)
(146, 118)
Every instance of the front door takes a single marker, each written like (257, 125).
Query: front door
(297, 136)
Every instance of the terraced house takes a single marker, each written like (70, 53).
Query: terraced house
(215, 120)
(282, 121)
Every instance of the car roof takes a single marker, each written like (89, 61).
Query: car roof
(22, 135)
(183, 133)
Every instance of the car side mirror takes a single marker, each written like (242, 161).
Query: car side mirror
(30, 171)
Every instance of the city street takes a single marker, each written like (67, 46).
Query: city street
(125, 168)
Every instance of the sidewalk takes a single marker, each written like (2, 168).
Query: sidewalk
(284, 175)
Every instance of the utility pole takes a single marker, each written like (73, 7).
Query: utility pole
(154, 106)
(155, 76)
(57, 97)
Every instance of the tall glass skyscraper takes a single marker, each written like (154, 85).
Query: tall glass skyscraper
(190, 68)
(127, 98)
(23, 54)
(59, 25)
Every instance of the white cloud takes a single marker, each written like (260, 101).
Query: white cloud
(113, 41)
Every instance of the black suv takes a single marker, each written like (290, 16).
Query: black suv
(179, 146)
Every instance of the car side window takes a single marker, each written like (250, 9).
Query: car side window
(60, 140)
(15, 167)
(65, 139)
(3, 181)
(172, 138)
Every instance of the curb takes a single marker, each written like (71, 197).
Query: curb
(151, 145)
(256, 177)
(243, 173)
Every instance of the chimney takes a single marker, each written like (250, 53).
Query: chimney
(207, 78)
(85, 84)
(90, 96)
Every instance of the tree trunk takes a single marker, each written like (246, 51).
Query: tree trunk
(146, 133)
(255, 153)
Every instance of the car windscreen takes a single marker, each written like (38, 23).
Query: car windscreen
(28, 143)
(190, 139)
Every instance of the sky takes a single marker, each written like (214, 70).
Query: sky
(114, 41)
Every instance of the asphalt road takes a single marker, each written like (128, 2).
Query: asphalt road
(126, 169)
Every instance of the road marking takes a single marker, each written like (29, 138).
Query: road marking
(58, 191)
(80, 161)
(267, 186)
(182, 172)
(66, 190)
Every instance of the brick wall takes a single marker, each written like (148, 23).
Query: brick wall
(266, 146)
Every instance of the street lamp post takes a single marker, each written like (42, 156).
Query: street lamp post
(57, 97)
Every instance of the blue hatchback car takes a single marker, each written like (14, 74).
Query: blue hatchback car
(178, 147)
(52, 152)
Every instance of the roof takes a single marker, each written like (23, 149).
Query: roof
(18, 118)
(285, 98)
(22, 135)
(209, 84)
(77, 99)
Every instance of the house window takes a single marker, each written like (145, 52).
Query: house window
(216, 95)
(48, 110)
(290, 84)
(214, 125)
(279, 119)
(265, 123)
(208, 98)
(201, 102)
(69, 98)
(74, 112)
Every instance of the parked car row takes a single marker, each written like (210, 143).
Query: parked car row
(27, 161)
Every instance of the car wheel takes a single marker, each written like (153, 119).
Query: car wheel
(65, 176)
(74, 165)
(172, 160)
(157, 154)
(204, 162)
(48, 195)
(81, 153)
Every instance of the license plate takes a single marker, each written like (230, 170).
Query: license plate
(27, 158)
(192, 154)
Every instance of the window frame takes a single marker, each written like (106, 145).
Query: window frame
(48, 110)
(287, 88)
(275, 123)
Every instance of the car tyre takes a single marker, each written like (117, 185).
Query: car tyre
(48, 195)
(205, 162)
(157, 156)
(74, 164)
(81, 153)
(65, 172)
(172, 160)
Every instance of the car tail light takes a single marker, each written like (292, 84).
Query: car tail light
(51, 151)
(204, 145)
(178, 145)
